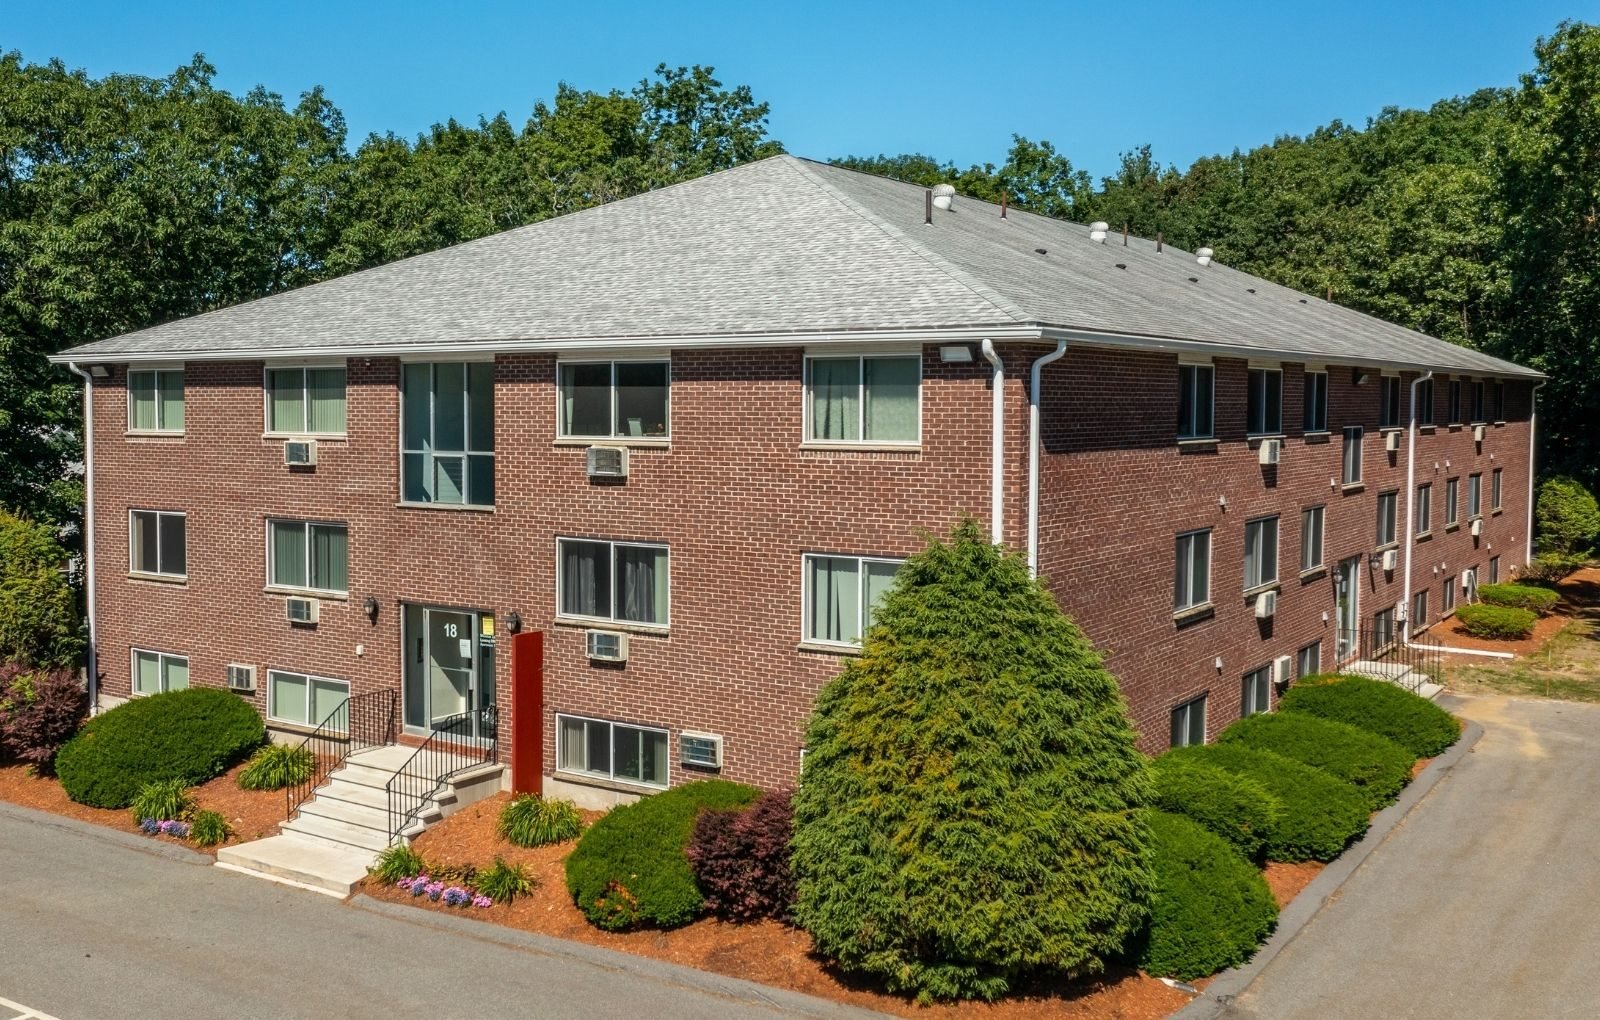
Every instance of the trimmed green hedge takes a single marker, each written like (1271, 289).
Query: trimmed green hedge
(1232, 806)
(1211, 908)
(1519, 596)
(1413, 722)
(630, 869)
(1321, 815)
(1377, 767)
(1504, 623)
(191, 735)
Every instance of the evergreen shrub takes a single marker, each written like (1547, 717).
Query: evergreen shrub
(39, 623)
(1413, 722)
(1377, 767)
(1521, 596)
(1232, 806)
(1566, 517)
(40, 710)
(741, 859)
(1498, 623)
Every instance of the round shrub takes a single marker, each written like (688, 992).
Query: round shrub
(191, 735)
(1413, 722)
(531, 820)
(1521, 596)
(1567, 517)
(629, 868)
(1499, 623)
(277, 765)
(1320, 814)
(741, 859)
(1211, 908)
(1377, 767)
(1235, 807)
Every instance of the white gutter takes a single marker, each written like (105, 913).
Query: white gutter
(1411, 499)
(1033, 455)
(997, 445)
(88, 527)
(1533, 421)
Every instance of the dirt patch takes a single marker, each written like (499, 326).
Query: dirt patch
(1287, 880)
(1449, 633)
(1561, 659)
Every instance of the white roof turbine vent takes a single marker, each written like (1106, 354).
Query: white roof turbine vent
(1203, 256)
(1097, 231)
(943, 194)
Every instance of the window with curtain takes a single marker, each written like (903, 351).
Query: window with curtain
(447, 433)
(1196, 401)
(1189, 723)
(1474, 496)
(158, 543)
(306, 401)
(615, 399)
(1452, 502)
(1260, 552)
(1494, 490)
(615, 751)
(1311, 520)
(1388, 513)
(306, 700)
(864, 399)
(1424, 519)
(309, 555)
(620, 581)
(155, 672)
(841, 593)
(1352, 456)
(1308, 661)
(155, 401)
(1257, 693)
(1192, 582)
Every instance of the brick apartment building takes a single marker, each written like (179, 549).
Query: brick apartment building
(801, 370)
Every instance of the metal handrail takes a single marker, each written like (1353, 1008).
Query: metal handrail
(452, 748)
(359, 722)
(1390, 656)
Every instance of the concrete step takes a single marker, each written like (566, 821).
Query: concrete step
(341, 789)
(335, 831)
(376, 819)
(328, 868)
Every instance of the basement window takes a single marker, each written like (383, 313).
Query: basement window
(306, 700)
(156, 672)
(1189, 723)
(612, 751)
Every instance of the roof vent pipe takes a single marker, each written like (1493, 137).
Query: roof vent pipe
(943, 194)
(1097, 231)
(1203, 256)
(927, 206)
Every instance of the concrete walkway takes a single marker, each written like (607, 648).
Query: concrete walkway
(1485, 901)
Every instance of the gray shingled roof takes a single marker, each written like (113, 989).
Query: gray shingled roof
(781, 248)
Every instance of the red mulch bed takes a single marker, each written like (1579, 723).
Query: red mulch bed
(254, 814)
(1580, 591)
(1287, 880)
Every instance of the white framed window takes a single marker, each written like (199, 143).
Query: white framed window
(1388, 510)
(1260, 552)
(1196, 401)
(614, 751)
(1424, 516)
(447, 433)
(155, 400)
(1311, 520)
(614, 399)
(841, 595)
(1452, 502)
(1419, 611)
(308, 556)
(1264, 402)
(1192, 580)
(1308, 660)
(1389, 406)
(622, 582)
(1352, 455)
(306, 400)
(1315, 418)
(1449, 595)
(1494, 570)
(1425, 402)
(1257, 694)
(864, 399)
(1494, 489)
(158, 543)
(1454, 403)
(1474, 496)
(156, 672)
(1189, 723)
(303, 699)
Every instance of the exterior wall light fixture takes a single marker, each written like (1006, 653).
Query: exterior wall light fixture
(514, 622)
(370, 604)
(955, 354)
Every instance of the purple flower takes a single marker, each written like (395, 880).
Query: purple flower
(482, 901)
(434, 890)
(456, 896)
(172, 827)
(150, 826)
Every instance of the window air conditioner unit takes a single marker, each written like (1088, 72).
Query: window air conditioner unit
(1391, 442)
(1477, 528)
(1266, 604)
(1478, 433)
(1269, 451)
(608, 462)
(300, 453)
(1391, 559)
(1282, 669)
(607, 645)
(702, 749)
(1469, 579)
(241, 678)
(301, 610)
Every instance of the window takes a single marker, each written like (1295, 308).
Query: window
(625, 582)
(1382, 629)
(1477, 401)
(1389, 410)
(864, 399)
(155, 401)
(1308, 661)
(154, 672)
(304, 554)
(1419, 611)
(1260, 552)
(1449, 595)
(607, 750)
(1474, 496)
(1494, 489)
(615, 399)
(158, 543)
(1452, 502)
(1352, 455)
(1192, 586)
(1264, 402)
(1257, 694)
(841, 593)
(305, 700)
(1499, 401)
(1494, 570)
(1315, 418)
(1387, 503)
(1196, 401)
(447, 445)
(1311, 538)
(1424, 522)
(1424, 402)
(1455, 402)
(305, 401)
(1189, 723)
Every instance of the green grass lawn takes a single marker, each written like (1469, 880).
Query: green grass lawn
(1567, 667)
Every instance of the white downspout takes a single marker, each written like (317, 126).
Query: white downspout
(1033, 455)
(997, 445)
(88, 527)
(1533, 420)
(1411, 501)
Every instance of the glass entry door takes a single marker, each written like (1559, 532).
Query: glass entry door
(449, 670)
(1349, 606)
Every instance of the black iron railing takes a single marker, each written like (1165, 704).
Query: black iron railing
(365, 720)
(1384, 654)
(457, 744)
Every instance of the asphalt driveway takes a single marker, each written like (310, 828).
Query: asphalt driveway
(1484, 902)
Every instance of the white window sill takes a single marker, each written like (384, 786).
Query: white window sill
(1260, 589)
(154, 433)
(605, 782)
(481, 508)
(1255, 437)
(597, 623)
(307, 593)
(176, 579)
(1496, 512)
(1198, 440)
(321, 437)
(1320, 570)
(1352, 486)
(1316, 434)
(640, 442)
(1453, 527)
(827, 648)
(863, 447)
(1424, 534)
(1425, 428)
(1191, 614)
(1386, 429)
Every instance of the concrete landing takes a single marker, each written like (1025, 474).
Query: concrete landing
(318, 866)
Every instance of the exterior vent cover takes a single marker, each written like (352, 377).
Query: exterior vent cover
(301, 610)
(241, 678)
(607, 645)
(300, 453)
(608, 462)
(1270, 451)
(702, 749)
(1266, 604)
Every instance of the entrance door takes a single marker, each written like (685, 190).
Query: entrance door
(451, 654)
(449, 670)
(1348, 581)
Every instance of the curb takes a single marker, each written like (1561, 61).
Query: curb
(1225, 987)
(144, 844)
(738, 990)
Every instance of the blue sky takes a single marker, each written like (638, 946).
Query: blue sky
(952, 80)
